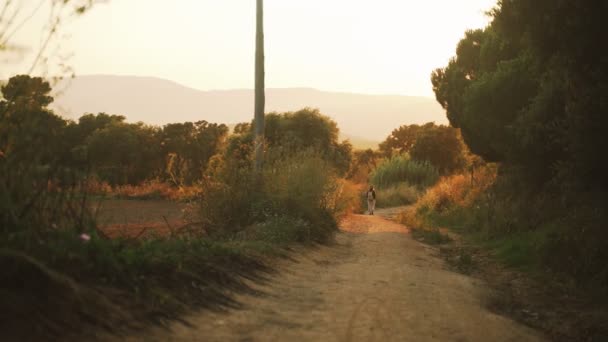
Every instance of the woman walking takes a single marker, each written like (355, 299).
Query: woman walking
(371, 200)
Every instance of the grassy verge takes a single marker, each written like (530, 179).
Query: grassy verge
(68, 278)
(512, 259)
(400, 180)
(432, 236)
(401, 169)
(397, 195)
(68, 285)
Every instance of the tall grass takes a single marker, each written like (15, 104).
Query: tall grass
(303, 187)
(397, 195)
(448, 198)
(48, 238)
(402, 169)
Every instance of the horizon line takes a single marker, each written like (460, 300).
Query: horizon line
(251, 89)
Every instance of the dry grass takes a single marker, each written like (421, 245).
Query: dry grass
(345, 200)
(457, 190)
(153, 189)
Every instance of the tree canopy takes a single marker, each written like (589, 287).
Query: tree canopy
(529, 89)
(439, 145)
(106, 145)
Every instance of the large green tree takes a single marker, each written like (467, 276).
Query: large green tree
(28, 129)
(442, 147)
(189, 146)
(529, 91)
(402, 139)
(511, 88)
(439, 145)
(287, 134)
(32, 148)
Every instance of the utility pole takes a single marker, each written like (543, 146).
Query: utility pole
(260, 97)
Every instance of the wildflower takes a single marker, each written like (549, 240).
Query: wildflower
(85, 237)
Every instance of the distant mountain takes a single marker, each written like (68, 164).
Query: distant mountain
(157, 101)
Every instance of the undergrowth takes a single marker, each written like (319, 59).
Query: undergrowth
(68, 271)
(397, 195)
(402, 169)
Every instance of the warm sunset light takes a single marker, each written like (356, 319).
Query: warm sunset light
(303, 170)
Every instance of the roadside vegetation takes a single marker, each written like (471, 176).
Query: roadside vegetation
(525, 95)
(63, 272)
(519, 172)
(412, 159)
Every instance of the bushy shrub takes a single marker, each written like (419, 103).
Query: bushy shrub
(456, 191)
(401, 169)
(301, 187)
(450, 194)
(397, 195)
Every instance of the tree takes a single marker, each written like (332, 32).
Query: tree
(121, 153)
(259, 86)
(402, 139)
(442, 147)
(528, 92)
(31, 150)
(190, 146)
(27, 128)
(439, 145)
(287, 134)
(364, 162)
(307, 130)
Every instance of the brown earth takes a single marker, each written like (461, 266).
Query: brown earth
(375, 283)
(135, 218)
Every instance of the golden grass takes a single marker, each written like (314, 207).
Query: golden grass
(153, 189)
(459, 190)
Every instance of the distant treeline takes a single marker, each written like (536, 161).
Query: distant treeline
(118, 153)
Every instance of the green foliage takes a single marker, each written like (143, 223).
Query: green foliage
(289, 133)
(301, 187)
(45, 163)
(191, 146)
(529, 91)
(431, 236)
(401, 169)
(397, 195)
(32, 155)
(529, 94)
(299, 181)
(402, 139)
(364, 162)
(442, 146)
(281, 231)
(134, 157)
(103, 145)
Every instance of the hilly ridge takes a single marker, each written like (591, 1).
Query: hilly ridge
(158, 101)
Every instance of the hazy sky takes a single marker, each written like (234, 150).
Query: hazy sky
(379, 46)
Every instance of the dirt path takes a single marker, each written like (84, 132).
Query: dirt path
(375, 284)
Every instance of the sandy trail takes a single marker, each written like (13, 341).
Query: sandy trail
(374, 284)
